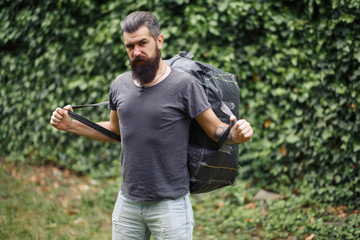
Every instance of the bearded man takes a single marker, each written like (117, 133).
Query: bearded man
(151, 108)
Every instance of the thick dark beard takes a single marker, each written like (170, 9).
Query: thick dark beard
(145, 72)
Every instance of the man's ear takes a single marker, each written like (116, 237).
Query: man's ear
(160, 40)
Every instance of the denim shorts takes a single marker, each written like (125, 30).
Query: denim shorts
(167, 219)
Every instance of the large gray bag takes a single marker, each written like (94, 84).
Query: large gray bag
(211, 165)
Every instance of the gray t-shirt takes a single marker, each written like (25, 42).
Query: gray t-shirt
(154, 125)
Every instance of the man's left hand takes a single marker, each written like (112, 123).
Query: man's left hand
(242, 131)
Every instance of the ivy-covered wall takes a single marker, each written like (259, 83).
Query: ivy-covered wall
(297, 62)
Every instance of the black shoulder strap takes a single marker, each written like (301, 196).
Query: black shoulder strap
(93, 125)
(91, 105)
(225, 134)
(117, 137)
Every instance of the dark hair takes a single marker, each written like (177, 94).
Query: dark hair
(138, 19)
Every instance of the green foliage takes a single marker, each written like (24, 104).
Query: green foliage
(226, 214)
(56, 54)
(297, 64)
(303, 97)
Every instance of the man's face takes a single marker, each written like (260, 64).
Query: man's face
(144, 54)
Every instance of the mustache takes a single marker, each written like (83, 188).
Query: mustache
(138, 59)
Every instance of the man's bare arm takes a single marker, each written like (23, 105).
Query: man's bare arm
(61, 120)
(241, 131)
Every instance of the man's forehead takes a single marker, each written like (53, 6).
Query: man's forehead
(141, 34)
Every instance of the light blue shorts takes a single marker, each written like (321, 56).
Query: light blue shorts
(167, 219)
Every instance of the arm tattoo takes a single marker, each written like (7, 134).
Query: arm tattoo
(230, 138)
(220, 131)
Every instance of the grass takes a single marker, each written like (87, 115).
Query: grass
(47, 203)
(44, 202)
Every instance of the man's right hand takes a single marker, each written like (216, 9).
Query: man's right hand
(60, 118)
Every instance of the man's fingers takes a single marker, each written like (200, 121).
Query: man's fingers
(241, 125)
(57, 116)
(243, 128)
(53, 123)
(244, 131)
(247, 133)
(55, 120)
(58, 112)
(60, 119)
(68, 108)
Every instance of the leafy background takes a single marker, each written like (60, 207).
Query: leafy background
(297, 64)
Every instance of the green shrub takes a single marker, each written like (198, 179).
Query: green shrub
(297, 64)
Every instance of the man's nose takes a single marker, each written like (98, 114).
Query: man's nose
(137, 51)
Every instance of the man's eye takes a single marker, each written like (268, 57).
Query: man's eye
(142, 43)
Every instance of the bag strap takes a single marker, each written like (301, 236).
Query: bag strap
(225, 109)
(117, 137)
(225, 134)
(93, 125)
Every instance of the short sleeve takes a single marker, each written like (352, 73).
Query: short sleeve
(115, 90)
(111, 105)
(196, 100)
